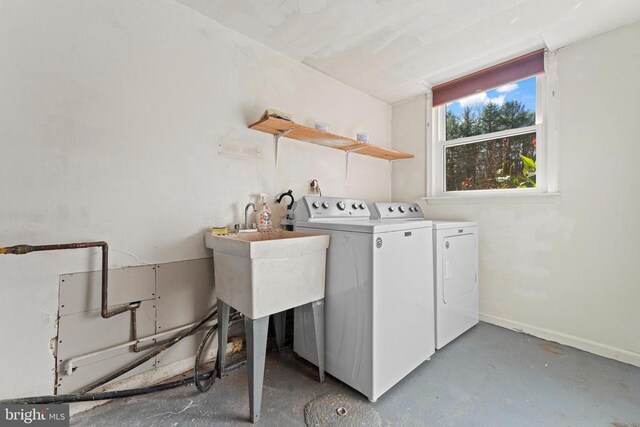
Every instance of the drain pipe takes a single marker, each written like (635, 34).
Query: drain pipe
(104, 312)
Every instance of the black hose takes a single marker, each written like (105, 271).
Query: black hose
(197, 377)
(176, 338)
(89, 397)
(81, 396)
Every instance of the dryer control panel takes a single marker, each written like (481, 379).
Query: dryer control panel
(381, 210)
(314, 207)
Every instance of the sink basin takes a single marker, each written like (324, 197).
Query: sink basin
(262, 273)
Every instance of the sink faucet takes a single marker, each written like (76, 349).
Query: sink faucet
(246, 218)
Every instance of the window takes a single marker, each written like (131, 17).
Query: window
(490, 139)
(488, 132)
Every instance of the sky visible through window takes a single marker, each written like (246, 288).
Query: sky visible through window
(523, 91)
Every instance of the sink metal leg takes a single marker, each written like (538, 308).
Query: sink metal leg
(318, 329)
(223, 334)
(256, 335)
(279, 323)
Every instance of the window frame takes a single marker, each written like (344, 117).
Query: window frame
(546, 152)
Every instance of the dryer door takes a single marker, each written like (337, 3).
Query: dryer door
(458, 266)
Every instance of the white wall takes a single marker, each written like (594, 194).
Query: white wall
(565, 269)
(111, 115)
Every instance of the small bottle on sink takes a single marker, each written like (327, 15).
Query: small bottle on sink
(265, 222)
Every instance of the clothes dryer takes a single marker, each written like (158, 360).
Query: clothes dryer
(456, 279)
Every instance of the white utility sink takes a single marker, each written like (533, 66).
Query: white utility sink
(262, 273)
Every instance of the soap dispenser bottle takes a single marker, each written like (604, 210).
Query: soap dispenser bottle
(265, 222)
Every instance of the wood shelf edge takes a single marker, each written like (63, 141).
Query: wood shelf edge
(273, 126)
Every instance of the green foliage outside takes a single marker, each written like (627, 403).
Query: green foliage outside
(524, 179)
(498, 163)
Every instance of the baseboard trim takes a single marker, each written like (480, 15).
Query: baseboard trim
(603, 350)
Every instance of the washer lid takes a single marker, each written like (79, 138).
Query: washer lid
(365, 226)
(443, 225)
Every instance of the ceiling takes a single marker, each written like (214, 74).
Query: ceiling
(394, 49)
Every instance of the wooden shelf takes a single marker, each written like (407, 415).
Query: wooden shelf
(275, 126)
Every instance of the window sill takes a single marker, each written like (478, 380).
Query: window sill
(527, 197)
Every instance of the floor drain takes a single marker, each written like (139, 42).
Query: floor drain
(340, 410)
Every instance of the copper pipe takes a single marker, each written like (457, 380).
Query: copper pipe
(104, 312)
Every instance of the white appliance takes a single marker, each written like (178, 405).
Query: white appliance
(455, 247)
(455, 266)
(379, 317)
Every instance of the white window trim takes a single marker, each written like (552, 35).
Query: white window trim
(546, 147)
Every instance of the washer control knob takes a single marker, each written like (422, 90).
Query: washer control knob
(401, 209)
(325, 205)
(316, 205)
(362, 206)
(341, 206)
(391, 209)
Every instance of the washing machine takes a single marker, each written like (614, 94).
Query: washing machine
(378, 312)
(455, 247)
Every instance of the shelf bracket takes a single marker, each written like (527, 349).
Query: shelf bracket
(346, 169)
(276, 139)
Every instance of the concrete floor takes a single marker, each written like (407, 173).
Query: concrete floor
(488, 377)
